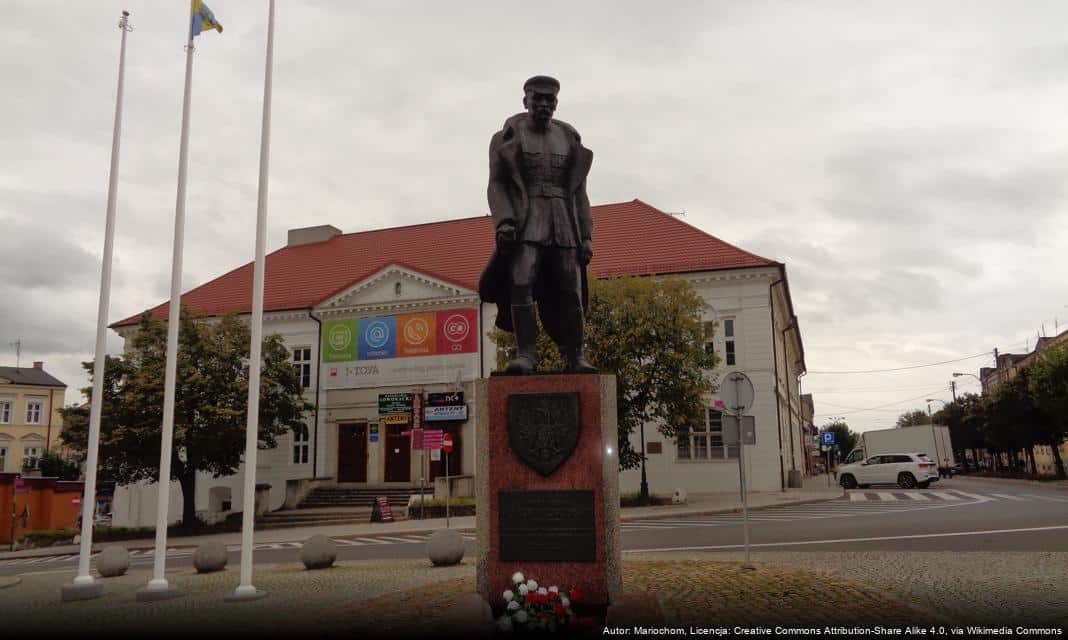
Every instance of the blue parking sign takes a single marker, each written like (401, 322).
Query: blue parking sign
(828, 437)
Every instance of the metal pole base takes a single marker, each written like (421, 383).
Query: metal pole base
(85, 591)
(152, 594)
(245, 594)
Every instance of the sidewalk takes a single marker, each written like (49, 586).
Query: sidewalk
(1052, 484)
(815, 490)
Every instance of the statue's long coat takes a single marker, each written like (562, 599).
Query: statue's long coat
(508, 202)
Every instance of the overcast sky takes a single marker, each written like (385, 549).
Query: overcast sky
(908, 161)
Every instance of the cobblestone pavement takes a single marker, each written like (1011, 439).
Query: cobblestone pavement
(293, 593)
(969, 587)
(691, 592)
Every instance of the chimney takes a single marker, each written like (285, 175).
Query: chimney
(308, 235)
(38, 364)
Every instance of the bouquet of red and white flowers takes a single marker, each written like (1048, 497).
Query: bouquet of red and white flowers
(529, 606)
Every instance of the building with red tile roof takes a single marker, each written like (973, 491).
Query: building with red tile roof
(325, 290)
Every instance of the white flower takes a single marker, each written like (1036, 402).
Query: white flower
(564, 600)
(517, 577)
(520, 616)
(532, 585)
(543, 591)
(523, 589)
(554, 590)
(508, 595)
(513, 605)
(504, 623)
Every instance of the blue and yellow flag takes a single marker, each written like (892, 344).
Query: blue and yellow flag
(203, 19)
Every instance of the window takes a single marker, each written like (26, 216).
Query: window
(300, 445)
(31, 457)
(5, 411)
(705, 442)
(710, 332)
(302, 365)
(3, 459)
(34, 409)
(728, 341)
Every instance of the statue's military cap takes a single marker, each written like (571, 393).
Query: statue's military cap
(542, 84)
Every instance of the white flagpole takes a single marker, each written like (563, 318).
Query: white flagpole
(84, 587)
(158, 588)
(245, 590)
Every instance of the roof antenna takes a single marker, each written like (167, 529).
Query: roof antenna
(676, 213)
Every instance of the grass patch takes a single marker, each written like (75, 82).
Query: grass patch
(634, 500)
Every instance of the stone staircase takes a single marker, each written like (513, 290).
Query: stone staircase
(337, 505)
(342, 496)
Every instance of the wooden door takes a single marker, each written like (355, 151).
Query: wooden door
(352, 452)
(398, 454)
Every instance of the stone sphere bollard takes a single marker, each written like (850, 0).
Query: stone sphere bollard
(113, 561)
(209, 557)
(445, 547)
(319, 552)
(469, 617)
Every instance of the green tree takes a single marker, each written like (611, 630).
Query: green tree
(1012, 418)
(650, 334)
(913, 418)
(1048, 384)
(211, 399)
(844, 437)
(53, 465)
(964, 431)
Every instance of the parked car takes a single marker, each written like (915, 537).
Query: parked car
(906, 470)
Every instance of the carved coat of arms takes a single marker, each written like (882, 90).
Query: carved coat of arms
(543, 428)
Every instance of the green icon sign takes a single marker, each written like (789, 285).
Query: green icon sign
(339, 341)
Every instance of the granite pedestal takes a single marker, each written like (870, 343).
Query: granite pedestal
(547, 484)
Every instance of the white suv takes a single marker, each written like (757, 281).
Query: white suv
(907, 470)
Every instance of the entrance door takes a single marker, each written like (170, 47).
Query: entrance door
(352, 452)
(398, 454)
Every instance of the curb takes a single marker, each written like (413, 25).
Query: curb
(9, 581)
(624, 517)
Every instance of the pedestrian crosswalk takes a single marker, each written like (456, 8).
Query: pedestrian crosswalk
(146, 556)
(855, 503)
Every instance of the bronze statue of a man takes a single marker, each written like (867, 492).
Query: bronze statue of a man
(541, 213)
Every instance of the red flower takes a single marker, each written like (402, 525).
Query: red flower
(560, 611)
(553, 596)
(576, 594)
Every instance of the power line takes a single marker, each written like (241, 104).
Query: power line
(889, 404)
(915, 366)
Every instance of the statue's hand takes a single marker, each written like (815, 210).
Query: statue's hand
(585, 252)
(506, 237)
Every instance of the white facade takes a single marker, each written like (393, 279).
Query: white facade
(745, 296)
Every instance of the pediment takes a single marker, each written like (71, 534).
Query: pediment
(395, 284)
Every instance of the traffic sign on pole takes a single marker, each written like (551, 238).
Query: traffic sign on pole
(828, 437)
(737, 393)
(446, 442)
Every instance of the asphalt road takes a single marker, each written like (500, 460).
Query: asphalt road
(954, 515)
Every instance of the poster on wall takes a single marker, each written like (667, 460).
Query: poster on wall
(415, 348)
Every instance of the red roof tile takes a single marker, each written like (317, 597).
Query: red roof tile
(630, 238)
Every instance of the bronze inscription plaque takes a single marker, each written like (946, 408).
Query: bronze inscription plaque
(547, 526)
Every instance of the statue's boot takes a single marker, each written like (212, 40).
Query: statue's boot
(576, 362)
(525, 323)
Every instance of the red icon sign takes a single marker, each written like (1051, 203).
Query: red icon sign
(446, 443)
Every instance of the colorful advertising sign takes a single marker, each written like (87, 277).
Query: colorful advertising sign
(445, 399)
(448, 412)
(394, 403)
(416, 335)
(405, 336)
(414, 348)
